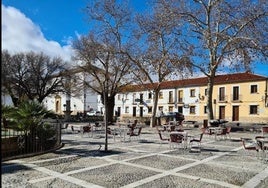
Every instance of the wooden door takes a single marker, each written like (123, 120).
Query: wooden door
(180, 109)
(118, 111)
(141, 111)
(235, 113)
(134, 111)
(222, 112)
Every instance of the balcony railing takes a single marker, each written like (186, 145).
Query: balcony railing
(180, 100)
(222, 98)
(236, 98)
(171, 101)
(148, 101)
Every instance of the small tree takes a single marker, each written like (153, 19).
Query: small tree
(28, 116)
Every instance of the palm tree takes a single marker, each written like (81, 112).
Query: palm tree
(28, 116)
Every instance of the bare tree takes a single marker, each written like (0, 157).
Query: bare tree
(160, 51)
(8, 84)
(107, 69)
(30, 76)
(222, 35)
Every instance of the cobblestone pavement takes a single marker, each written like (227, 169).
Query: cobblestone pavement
(144, 161)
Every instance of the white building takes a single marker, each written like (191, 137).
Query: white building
(86, 102)
(170, 100)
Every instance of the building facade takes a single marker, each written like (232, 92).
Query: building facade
(87, 101)
(240, 97)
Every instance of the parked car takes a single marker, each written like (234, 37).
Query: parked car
(177, 115)
(94, 113)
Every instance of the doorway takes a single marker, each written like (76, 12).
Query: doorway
(180, 109)
(235, 116)
(222, 112)
(141, 111)
(118, 111)
(134, 111)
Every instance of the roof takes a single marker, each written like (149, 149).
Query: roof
(201, 81)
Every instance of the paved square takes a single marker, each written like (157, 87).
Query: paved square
(143, 162)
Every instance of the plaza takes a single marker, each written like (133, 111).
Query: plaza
(145, 161)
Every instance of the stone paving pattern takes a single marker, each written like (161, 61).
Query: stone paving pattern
(142, 162)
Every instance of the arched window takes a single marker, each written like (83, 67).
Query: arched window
(57, 106)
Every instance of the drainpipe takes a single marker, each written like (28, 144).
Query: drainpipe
(265, 94)
(176, 99)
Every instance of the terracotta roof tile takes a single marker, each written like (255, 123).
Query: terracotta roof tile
(201, 81)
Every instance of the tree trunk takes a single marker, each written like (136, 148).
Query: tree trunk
(210, 100)
(155, 97)
(110, 108)
(109, 102)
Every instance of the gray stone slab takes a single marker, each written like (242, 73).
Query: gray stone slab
(161, 162)
(233, 176)
(178, 182)
(115, 175)
(54, 183)
(68, 165)
(241, 161)
(18, 176)
(191, 155)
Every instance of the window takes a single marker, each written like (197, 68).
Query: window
(149, 95)
(192, 109)
(206, 92)
(192, 93)
(170, 108)
(222, 94)
(253, 89)
(170, 97)
(118, 97)
(205, 109)
(134, 97)
(126, 109)
(58, 106)
(180, 96)
(235, 93)
(141, 97)
(150, 110)
(160, 108)
(253, 109)
(160, 94)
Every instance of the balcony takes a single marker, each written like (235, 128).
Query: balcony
(236, 98)
(222, 98)
(148, 101)
(171, 101)
(180, 100)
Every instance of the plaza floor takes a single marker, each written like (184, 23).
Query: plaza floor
(140, 162)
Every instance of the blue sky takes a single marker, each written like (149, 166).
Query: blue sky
(45, 25)
(50, 25)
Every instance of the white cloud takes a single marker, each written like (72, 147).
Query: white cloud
(20, 34)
